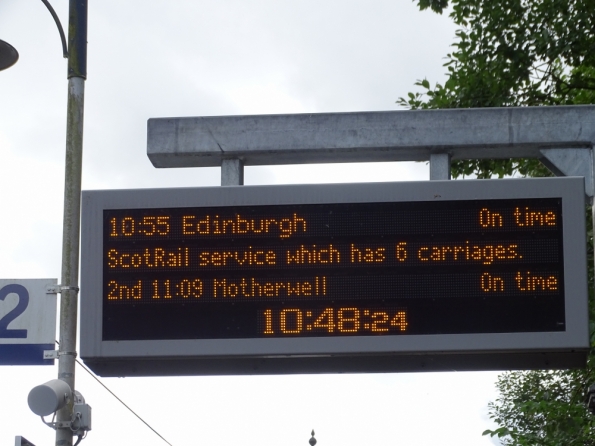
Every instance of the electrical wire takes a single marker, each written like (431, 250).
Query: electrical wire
(116, 397)
(122, 402)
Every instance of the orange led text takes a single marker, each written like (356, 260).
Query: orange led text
(215, 225)
(313, 255)
(367, 255)
(268, 288)
(152, 258)
(486, 254)
(532, 282)
(527, 217)
(248, 257)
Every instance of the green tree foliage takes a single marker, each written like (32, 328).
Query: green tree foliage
(523, 53)
(545, 407)
(513, 53)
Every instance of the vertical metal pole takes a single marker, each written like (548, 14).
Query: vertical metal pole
(77, 73)
(232, 172)
(440, 166)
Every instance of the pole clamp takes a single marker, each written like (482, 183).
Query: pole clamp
(57, 424)
(56, 289)
(55, 354)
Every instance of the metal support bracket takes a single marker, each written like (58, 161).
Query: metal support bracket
(56, 289)
(440, 166)
(50, 354)
(232, 172)
(60, 29)
(571, 162)
(55, 354)
(80, 421)
(61, 424)
(57, 424)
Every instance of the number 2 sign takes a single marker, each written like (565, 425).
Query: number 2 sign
(27, 321)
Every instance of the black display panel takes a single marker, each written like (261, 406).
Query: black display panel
(333, 270)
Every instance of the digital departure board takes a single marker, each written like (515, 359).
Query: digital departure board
(346, 271)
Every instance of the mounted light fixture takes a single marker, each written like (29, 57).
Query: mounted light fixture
(8, 55)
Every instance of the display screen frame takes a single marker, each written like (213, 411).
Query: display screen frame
(357, 353)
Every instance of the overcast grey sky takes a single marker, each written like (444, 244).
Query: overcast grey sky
(158, 58)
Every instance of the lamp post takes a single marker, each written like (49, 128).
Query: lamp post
(77, 73)
(76, 52)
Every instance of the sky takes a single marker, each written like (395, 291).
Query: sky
(163, 58)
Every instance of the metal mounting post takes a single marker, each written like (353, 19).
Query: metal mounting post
(440, 166)
(232, 172)
(77, 73)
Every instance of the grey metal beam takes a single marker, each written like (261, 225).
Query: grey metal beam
(412, 135)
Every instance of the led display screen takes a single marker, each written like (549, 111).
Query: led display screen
(367, 269)
(284, 269)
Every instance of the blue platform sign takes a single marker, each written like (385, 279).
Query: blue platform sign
(27, 321)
